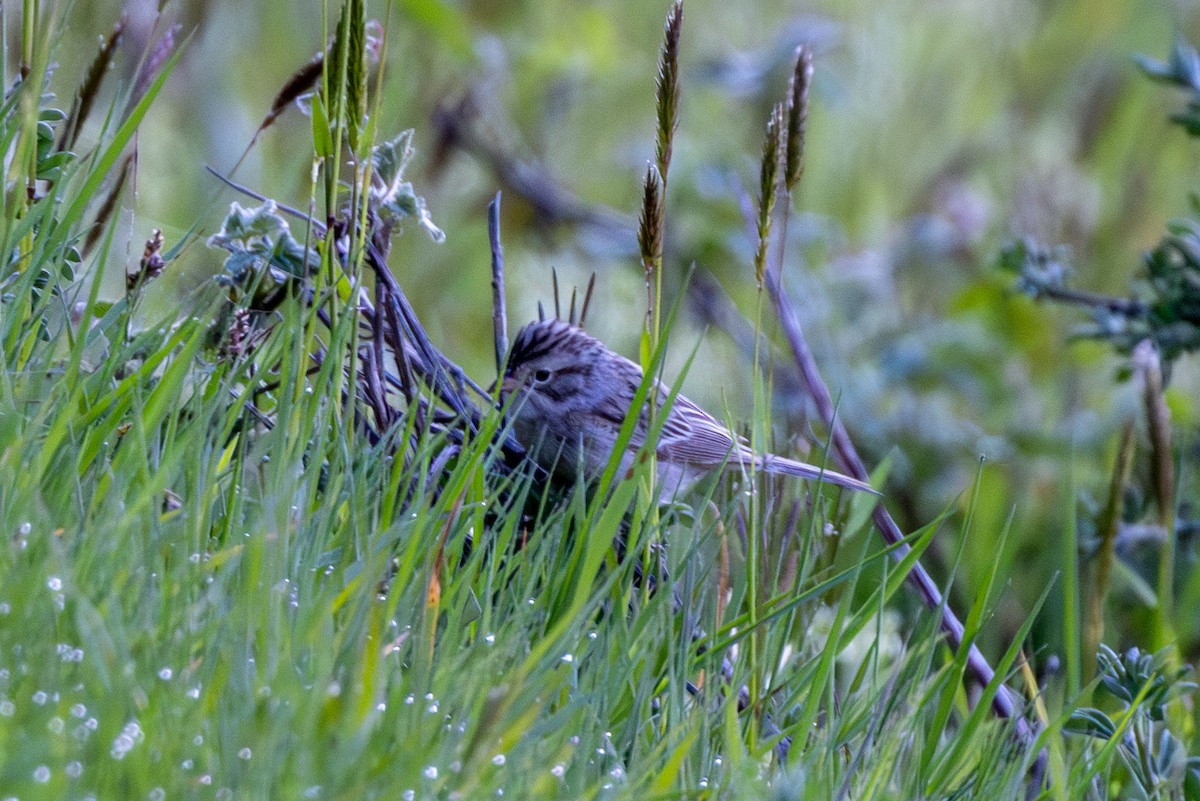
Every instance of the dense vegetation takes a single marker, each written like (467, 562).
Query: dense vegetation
(249, 553)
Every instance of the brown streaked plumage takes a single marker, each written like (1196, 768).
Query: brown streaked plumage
(573, 394)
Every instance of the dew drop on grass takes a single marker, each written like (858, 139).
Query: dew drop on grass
(157, 794)
(41, 774)
(78, 711)
(7, 708)
(430, 772)
(130, 736)
(187, 764)
(166, 673)
(55, 725)
(559, 770)
(205, 779)
(74, 769)
(490, 639)
(39, 698)
(244, 753)
(408, 795)
(499, 759)
(568, 658)
(5, 608)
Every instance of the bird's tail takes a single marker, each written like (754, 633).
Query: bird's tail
(790, 467)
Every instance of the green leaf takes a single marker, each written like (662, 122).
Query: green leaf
(322, 138)
(1091, 722)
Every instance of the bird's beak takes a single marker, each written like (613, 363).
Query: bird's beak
(508, 385)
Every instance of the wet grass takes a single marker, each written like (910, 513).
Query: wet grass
(209, 589)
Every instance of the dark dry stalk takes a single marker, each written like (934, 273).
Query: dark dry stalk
(382, 318)
(499, 309)
(1004, 703)
(554, 289)
(85, 98)
(1158, 424)
(587, 299)
(849, 461)
(552, 203)
(667, 98)
(1110, 522)
(1127, 307)
(445, 378)
(405, 327)
(393, 324)
(1162, 471)
(375, 370)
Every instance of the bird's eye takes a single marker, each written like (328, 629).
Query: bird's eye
(541, 376)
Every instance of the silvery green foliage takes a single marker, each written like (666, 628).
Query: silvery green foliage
(1181, 69)
(263, 254)
(1164, 304)
(394, 198)
(1143, 685)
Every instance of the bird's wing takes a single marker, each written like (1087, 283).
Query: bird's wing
(691, 436)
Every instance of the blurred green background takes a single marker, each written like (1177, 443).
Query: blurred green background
(938, 131)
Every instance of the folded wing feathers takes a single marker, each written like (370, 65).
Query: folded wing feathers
(691, 435)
